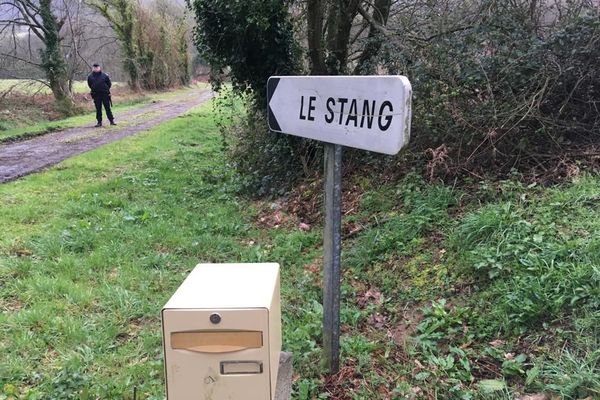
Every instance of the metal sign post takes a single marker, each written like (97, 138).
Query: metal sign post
(366, 112)
(332, 247)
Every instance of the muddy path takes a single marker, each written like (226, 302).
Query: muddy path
(25, 157)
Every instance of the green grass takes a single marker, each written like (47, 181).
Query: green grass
(30, 87)
(91, 250)
(40, 128)
(443, 297)
(505, 298)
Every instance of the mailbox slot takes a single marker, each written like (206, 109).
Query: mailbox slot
(216, 341)
(241, 367)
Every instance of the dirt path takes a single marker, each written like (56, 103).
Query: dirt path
(28, 156)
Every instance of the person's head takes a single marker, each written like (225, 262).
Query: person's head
(96, 68)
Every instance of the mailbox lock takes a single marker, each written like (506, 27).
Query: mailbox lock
(215, 318)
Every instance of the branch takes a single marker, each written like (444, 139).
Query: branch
(31, 19)
(20, 59)
(376, 25)
(377, 33)
(427, 39)
(19, 22)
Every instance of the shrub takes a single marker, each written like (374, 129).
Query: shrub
(499, 87)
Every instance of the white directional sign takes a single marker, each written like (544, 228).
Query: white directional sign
(366, 112)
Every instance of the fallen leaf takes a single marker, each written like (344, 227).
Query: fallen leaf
(537, 396)
(303, 226)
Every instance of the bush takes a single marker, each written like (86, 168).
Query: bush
(270, 163)
(500, 88)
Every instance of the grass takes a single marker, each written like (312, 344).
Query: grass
(92, 249)
(486, 294)
(31, 87)
(37, 128)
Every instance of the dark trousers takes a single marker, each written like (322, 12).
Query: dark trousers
(99, 100)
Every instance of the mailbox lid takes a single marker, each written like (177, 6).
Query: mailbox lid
(231, 321)
(211, 286)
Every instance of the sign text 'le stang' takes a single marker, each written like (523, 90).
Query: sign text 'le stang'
(365, 112)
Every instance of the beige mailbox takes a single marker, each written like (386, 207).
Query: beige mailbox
(222, 333)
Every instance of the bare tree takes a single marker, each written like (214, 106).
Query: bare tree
(45, 21)
(154, 40)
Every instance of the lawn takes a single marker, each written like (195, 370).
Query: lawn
(489, 292)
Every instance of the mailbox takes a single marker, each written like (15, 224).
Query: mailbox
(222, 333)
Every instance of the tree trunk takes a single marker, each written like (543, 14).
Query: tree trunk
(53, 62)
(126, 35)
(347, 11)
(381, 12)
(328, 46)
(315, 37)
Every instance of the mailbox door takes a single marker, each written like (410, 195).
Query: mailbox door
(228, 359)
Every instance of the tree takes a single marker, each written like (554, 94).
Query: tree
(498, 85)
(253, 37)
(120, 14)
(248, 41)
(48, 23)
(153, 39)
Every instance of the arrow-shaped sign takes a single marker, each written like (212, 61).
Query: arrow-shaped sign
(366, 112)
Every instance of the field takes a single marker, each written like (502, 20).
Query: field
(32, 87)
(488, 291)
(32, 121)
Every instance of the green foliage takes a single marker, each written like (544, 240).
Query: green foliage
(397, 233)
(497, 85)
(252, 39)
(572, 376)
(89, 253)
(270, 163)
(482, 327)
(91, 250)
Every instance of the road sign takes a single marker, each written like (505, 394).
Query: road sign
(366, 112)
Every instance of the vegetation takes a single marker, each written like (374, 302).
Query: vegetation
(153, 41)
(465, 276)
(55, 42)
(32, 87)
(27, 114)
(41, 19)
(497, 85)
(485, 293)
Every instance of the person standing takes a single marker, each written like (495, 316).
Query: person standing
(100, 84)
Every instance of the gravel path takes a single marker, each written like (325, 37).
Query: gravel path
(25, 157)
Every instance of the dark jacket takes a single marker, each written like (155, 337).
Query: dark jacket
(99, 83)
